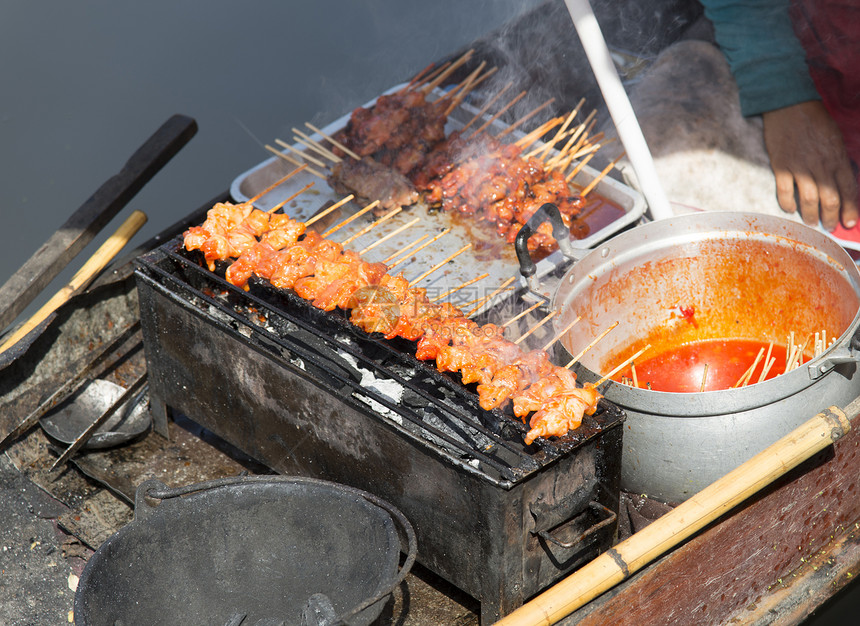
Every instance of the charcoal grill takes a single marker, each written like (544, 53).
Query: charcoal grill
(306, 392)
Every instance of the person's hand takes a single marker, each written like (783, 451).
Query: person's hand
(807, 152)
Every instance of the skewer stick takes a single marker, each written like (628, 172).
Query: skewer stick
(421, 247)
(744, 379)
(333, 141)
(319, 147)
(333, 207)
(350, 218)
(704, 377)
(560, 334)
(486, 107)
(525, 118)
(482, 299)
(393, 233)
(582, 128)
(303, 155)
(635, 379)
(451, 93)
(600, 176)
(417, 78)
(95, 264)
(459, 287)
(462, 95)
(522, 314)
(766, 361)
(439, 264)
(404, 249)
(497, 115)
(441, 77)
(561, 134)
(489, 298)
(275, 184)
(431, 75)
(539, 132)
(622, 366)
(299, 192)
(323, 152)
(290, 159)
(546, 318)
(372, 225)
(579, 167)
(590, 346)
(767, 367)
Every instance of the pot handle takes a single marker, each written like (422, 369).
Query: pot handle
(548, 212)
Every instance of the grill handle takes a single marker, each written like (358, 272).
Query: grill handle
(546, 213)
(608, 519)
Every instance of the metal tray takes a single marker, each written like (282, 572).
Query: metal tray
(488, 254)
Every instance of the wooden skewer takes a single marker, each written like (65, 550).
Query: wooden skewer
(766, 369)
(522, 314)
(459, 287)
(393, 233)
(333, 207)
(290, 159)
(539, 132)
(546, 318)
(560, 334)
(417, 78)
(633, 371)
(372, 225)
(489, 298)
(404, 249)
(766, 361)
(299, 192)
(462, 95)
(561, 134)
(486, 107)
(317, 145)
(525, 118)
(95, 264)
(466, 82)
(439, 264)
(590, 346)
(744, 379)
(441, 77)
(704, 377)
(622, 366)
(350, 218)
(323, 152)
(498, 114)
(579, 167)
(333, 141)
(600, 176)
(578, 131)
(420, 248)
(303, 155)
(275, 184)
(482, 299)
(432, 75)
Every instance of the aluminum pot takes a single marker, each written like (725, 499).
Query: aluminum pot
(745, 275)
(252, 550)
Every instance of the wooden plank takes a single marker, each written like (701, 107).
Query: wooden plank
(741, 559)
(83, 225)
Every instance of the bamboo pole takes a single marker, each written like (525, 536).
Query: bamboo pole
(95, 264)
(683, 521)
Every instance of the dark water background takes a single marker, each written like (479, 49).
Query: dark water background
(85, 83)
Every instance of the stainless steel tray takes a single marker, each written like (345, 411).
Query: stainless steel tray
(488, 253)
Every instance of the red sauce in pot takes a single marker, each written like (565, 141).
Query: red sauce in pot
(681, 368)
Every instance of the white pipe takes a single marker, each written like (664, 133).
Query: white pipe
(619, 107)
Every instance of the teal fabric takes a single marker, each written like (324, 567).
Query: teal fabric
(766, 58)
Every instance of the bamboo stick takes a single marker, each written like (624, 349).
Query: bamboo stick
(290, 159)
(404, 249)
(292, 197)
(538, 132)
(420, 248)
(275, 184)
(600, 176)
(531, 330)
(704, 377)
(352, 217)
(498, 114)
(622, 366)
(462, 95)
(522, 314)
(333, 207)
(635, 552)
(486, 107)
(83, 277)
(440, 264)
(393, 233)
(579, 167)
(333, 141)
(441, 77)
(766, 361)
(560, 334)
(525, 118)
(461, 286)
(590, 346)
(372, 225)
(331, 156)
(488, 298)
